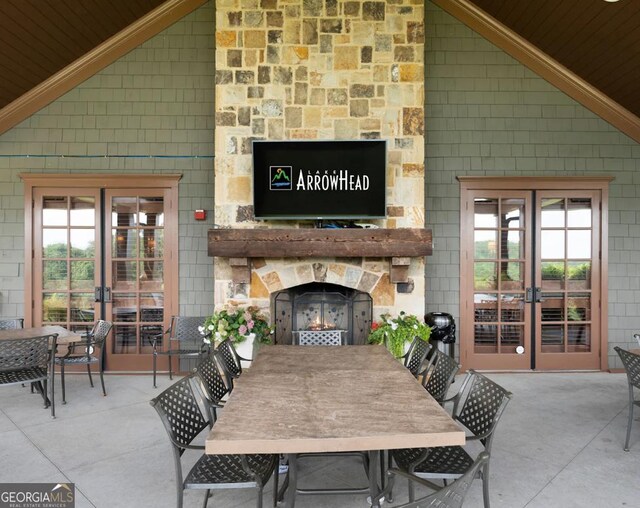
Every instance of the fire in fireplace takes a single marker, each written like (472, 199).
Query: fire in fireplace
(322, 307)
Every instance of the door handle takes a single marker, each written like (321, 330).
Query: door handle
(528, 295)
(97, 294)
(107, 295)
(538, 295)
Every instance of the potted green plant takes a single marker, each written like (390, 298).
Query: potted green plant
(396, 333)
(246, 327)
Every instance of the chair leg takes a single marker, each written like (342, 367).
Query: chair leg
(276, 478)
(485, 485)
(104, 391)
(412, 490)
(206, 498)
(89, 372)
(389, 496)
(259, 504)
(630, 420)
(170, 373)
(155, 359)
(180, 495)
(64, 393)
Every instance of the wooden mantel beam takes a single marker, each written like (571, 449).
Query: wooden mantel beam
(287, 243)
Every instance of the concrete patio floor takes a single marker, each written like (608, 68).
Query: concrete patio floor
(559, 444)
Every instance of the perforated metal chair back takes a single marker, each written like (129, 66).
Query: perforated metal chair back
(98, 334)
(416, 355)
(18, 355)
(631, 364)
(184, 329)
(180, 413)
(452, 495)
(214, 382)
(481, 407)
(229, 357)
(11, 324)
(439, 374)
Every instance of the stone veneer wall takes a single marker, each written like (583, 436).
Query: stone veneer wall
(487, 114)
(316, 69)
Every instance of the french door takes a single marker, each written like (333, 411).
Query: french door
(106, 253)
(531, 276)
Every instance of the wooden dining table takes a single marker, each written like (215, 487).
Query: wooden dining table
(64, 336)
(299, 399)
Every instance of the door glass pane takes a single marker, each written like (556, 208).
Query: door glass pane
(579, 244)
(552, 213)
(485, 244)
(54, 211)
(552, 275)
(511, 336)
(151, 211)
(151, 243)
(579, 212)
(124, 275)
(82, 243)
(485, 275)
(512, 307)
(151, 275)
(486, 339)
(82, 274)
(512, 215)
(82, 307)
(486, 307)
(124, 307)
(54, 243)
(579, 338)
(579, 275)
(124, 339)
(486, 213)
(552, 307)
(552, 338)
(552, 244)
(152, 307)
(123, 211)
(511, 276)
(82, 211)
(514, 243)
(579, 307)
(124, 243)
(54, 275)
(54, 307)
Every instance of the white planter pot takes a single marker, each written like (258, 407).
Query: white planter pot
(245, 348)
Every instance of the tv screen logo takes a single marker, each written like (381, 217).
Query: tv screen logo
(281, 178)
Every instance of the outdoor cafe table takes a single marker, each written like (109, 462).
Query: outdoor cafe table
(299, 399)
(64, 335)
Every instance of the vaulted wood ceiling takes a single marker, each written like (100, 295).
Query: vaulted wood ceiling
(588, 48)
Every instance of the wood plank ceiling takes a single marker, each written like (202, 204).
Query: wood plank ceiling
(599, 41)
(38, 38)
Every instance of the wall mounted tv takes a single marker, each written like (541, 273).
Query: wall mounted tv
(319, 179)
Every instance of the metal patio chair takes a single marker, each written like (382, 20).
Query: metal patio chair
(230, 359)
(11, 324)
(439, 374)
(415, 356)
(184, 333)
(179, 410)
(214, 382)
(30, 361)
(82, 353)
(449, 496)
(478, 406)
(631, 362)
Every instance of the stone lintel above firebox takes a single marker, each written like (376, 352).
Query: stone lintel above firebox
(240, 245)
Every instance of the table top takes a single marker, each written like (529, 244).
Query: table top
(635, 351)
(64, 335)
(297, 399)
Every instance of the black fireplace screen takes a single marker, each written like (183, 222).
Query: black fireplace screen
(319, 306)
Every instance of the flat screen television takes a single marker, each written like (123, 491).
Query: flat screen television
(319, 179)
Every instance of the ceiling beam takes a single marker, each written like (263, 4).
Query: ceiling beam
(543, 65)
(94, 61)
